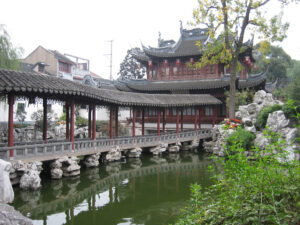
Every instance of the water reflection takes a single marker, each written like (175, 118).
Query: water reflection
(149, 190)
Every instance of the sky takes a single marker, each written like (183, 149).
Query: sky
(84, 28)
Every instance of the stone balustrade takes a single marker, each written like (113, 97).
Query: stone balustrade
(85, 147)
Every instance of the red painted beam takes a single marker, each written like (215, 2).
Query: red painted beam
(143, 121)
(196, 118)
(72, 124)
(111, 122)
(177, 121)
(164, 120)
(116, 122)
(158, 122)
(94, 122)
(45, 119)
(67, 107)
(133, 122)
(11, 124)
(90, 121)
(181, 119)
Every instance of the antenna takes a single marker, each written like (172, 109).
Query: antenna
(110, 66)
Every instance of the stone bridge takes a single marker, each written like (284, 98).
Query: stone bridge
(50, 151)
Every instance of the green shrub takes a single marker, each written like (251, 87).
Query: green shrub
(241, 138)
(81, 122)
(261, 191)
(263, 116)
(289, 109)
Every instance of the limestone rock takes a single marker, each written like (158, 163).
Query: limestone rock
(159, 149)
(92, 160)
(6, 191)
(173, 148)
(134, 153)
(261, 141)
(114, 154)
(277, 121)
(30, 180)
(9, 216)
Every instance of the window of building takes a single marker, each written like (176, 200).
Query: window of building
(222, 110)
(175, 70)
(21, 107)
(64, 67)
(209, 111)
(167, 71)
(174, 111)
(41, 68)
(193, 111)
(168, 112)
(189, 111)
(210, 69)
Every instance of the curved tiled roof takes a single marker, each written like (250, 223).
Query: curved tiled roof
(31, 84)
(204, 84)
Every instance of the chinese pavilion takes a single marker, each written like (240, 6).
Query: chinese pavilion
(169, 72)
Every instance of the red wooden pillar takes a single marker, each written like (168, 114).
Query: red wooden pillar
(90, 121)
(177, 121)
(116, 122)
(215, 114)
(94, 122)
(196, 117)
(199, 118)
(164, 120)
(111, 122)
(133, 122)
(143, 121)
(181, 119)
(67, 106)
(72, 124)
(158, 122)
(11, 124)
(45, 120)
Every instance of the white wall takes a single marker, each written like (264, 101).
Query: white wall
(103, 114)
(29, 109)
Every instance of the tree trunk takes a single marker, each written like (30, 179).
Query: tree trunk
(232, 89)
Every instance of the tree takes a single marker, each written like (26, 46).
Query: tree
(130, 67)
(228, 22)
(294, 87)
(9, 54)
(277, 61)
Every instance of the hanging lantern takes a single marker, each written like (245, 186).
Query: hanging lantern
(191, 60)
(150, 64)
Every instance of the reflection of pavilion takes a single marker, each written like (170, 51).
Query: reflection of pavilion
(75, 196)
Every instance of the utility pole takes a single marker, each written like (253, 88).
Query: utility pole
(110, 66)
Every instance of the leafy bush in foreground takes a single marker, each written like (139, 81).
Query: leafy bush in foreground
(264, 191)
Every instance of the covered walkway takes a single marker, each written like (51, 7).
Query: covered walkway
(32, 86)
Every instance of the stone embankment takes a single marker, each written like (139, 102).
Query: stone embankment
(276, 122)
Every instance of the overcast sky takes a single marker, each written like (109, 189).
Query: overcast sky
(82, 28)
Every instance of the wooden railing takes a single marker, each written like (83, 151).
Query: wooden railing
(84, 147)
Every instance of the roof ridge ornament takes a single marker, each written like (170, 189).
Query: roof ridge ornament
(181, 28)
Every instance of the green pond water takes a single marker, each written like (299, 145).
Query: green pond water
(149, 190)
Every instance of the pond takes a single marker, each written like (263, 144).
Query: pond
(148, 190)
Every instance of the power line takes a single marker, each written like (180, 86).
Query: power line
(110, 66)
